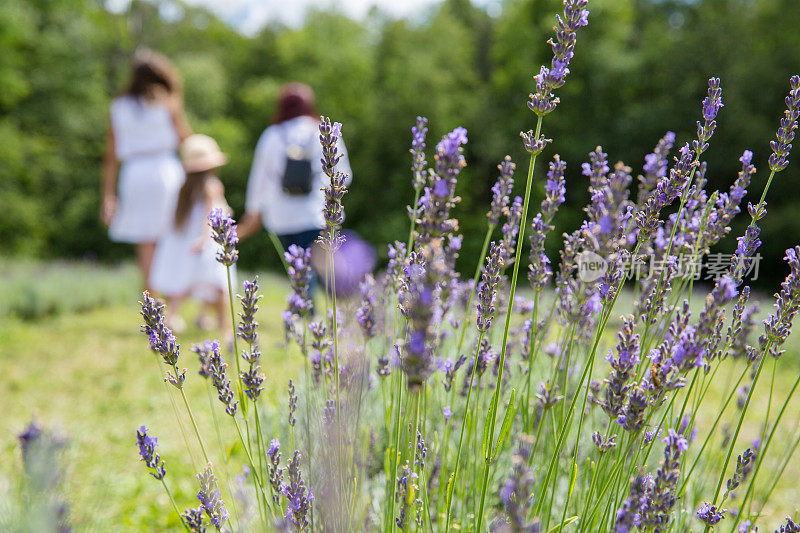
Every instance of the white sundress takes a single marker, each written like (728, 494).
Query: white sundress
(151, 174)
(178, 270)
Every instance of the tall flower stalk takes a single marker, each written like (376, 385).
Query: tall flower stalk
(542, 102)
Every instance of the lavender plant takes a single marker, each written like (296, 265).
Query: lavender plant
(415, 394)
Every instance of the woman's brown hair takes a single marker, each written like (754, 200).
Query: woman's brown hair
(153, 73)
(295, 100)
(192, 191)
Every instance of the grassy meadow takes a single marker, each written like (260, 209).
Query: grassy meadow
(77, 363)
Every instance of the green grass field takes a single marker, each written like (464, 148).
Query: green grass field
(87, 373)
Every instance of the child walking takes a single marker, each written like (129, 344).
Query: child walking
(185, 262)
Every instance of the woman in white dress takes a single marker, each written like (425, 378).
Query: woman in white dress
(141, 170)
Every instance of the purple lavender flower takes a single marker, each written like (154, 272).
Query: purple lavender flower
(604, 444)
(667, 190)
(747, 245)
(655, 166)
(789, 527)
(299, 498)
(329, 134)
(709, 514)
(597, 169)
(217, 365)
(622, 366)
(728, 203)
(274, 470)
(510, 231)
(439, 198)
(487, 289)
(742, 324)
(554, 189)
(418, 162)
(778, 325)
(162, 341)
(447, 413)
(779, 158)
(711, 106)
(223, 231)
(397, 261)
(420, 301)
(292, 403)
(365, 314)
(744, 463)
(501, 190)
(193, 518)
(631, 417)
(515, 493)
(549, 79)
(203, 352)
(450, 367)
(333, 212)
(657, 512)
(406, 487)
(299, 302)
(147, 452)
(627, 517)
(210, 498)
(247, 328)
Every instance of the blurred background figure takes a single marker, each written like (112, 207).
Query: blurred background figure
(147, 124)
(185, 261)
(284, 192)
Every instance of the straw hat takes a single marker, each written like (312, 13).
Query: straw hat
(200, 153)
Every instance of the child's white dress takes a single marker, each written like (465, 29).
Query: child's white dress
(179, 270)
(145, 141)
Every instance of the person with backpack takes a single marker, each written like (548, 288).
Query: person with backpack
(284, 191)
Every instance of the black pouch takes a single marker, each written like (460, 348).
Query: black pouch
(298, 176)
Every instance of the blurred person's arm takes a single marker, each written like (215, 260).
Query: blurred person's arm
(178, 114)
(108, 201)
(256, 189)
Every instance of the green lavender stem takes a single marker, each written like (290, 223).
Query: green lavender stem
(496, 397)
(174, 506)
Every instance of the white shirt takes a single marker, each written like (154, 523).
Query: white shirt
(285, 213)
(141, 128)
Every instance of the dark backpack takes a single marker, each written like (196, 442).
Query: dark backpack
(298, 176)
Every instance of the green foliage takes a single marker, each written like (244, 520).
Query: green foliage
(640, 71)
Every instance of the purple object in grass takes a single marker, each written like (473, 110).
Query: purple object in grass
(354, 259)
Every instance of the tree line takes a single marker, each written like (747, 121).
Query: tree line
(639, 71)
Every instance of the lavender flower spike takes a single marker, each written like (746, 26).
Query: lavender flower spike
(223, 231)
(711, 106)
(628, 514)
(487, 290)
(211, 499)
(162, 341)
(779, 159)
(147, 451)
(709, 514)
(778, 326)
(246, 329)
(419, 164)
(333, 212)
(217, 365)
(501, 190)
(299, 498)
(193, 518)
(549, 79)
(657, 512)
